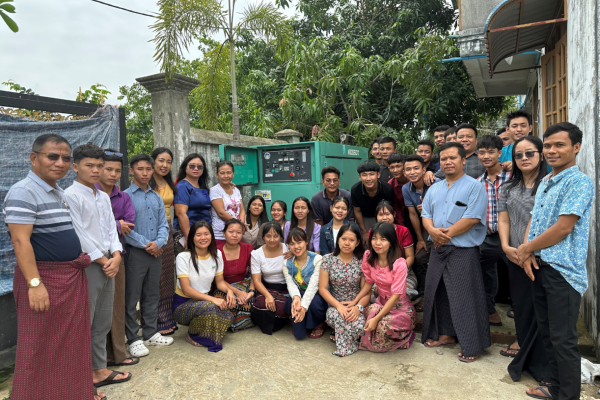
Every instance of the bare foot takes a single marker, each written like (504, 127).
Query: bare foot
(98, 395)
(539, 392)
(191, 341)
(166, 332)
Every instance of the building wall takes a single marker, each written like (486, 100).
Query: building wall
(584, 111)
(474, 13)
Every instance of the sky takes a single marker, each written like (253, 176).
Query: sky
(66, 44)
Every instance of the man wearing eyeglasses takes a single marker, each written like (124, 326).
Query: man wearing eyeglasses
(50, 285)
(322, 200)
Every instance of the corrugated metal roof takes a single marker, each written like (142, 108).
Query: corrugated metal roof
(525, 28)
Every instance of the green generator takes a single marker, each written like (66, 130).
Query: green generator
(290, 170)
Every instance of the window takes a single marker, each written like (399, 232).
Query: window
(555, 86)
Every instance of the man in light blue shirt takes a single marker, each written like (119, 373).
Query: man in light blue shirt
(554, 257)
(454, 215)
(143, 260)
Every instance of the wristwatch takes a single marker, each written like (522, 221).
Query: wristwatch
(35, 282)
(360, 308)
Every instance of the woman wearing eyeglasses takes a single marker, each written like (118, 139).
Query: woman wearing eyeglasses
(192, 201)
(517, 197)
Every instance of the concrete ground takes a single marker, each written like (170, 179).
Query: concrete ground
(253, 365)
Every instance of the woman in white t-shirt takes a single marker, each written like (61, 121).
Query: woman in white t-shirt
(208, 317)
(268, 311)
(226, 200)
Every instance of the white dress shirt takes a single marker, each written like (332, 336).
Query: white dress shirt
(93, 220)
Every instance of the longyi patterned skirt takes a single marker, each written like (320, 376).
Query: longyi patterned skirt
(207, 322)
(394, 331)
(167, 286)
(241, 312)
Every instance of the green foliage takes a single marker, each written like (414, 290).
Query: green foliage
(138, 114)
(8, 8)
(96, 94)
(15, 87)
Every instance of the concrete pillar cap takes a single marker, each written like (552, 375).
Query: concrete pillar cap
(157, 83)
(289, 135)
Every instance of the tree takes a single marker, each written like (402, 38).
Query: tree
(138, 117)
(179, 23)
(8, 8)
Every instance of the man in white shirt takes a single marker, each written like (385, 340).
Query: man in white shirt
(94, 223)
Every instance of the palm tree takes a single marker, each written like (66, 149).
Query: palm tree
(181, 21)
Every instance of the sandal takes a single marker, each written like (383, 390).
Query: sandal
(110, 380)
(134, 360)
(506, 352)
(317, 332)
(465, 359)
(510, 313)
(419, 308)
(441, 343)
(96, 394)
(543, 390)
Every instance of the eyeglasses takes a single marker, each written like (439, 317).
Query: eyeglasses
(199, 167)
(113, 153)
(528, 154)
(331, 181)
(55, 157)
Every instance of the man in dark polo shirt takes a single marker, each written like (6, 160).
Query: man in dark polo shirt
(321, 201)
(367, 193)
(387, 147)
(50, 285)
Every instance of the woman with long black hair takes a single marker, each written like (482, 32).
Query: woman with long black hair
(392, 318)
(278, 211)
(162, 183)
(303, 218)
(340, 281)
(256, 215)
(192, 201)
(208, 317)
(517, 197)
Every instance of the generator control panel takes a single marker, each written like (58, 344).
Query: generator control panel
(292, 165)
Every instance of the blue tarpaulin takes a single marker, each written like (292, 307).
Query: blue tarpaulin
(16, 137)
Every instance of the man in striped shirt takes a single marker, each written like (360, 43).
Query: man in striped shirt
(489, 150)
(50, 286)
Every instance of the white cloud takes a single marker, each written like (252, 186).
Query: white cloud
(62, 45)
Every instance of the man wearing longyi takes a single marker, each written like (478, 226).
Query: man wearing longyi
(454, 215)
(50, 286)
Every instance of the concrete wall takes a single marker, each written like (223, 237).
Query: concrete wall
(584, 111)
(207, 144)
(474, 13)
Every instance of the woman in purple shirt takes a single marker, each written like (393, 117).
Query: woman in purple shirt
(303, 217)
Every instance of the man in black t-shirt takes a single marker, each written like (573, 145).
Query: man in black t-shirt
(367, 193)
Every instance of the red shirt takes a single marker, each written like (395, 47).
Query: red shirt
(399, 206)
(236, 270)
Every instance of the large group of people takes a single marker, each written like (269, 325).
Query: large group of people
(117, 272)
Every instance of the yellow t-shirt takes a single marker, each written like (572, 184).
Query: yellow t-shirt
(167, 195)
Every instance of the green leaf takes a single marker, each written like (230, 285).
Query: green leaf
(8, 8)
(11, 24)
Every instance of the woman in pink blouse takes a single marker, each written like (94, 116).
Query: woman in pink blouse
(392, 318)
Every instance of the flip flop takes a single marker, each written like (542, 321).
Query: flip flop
(510, 313)
(170, 333)
(466, 359)
(96, 394)
(543, 390)
(505, 353)
(317, 333)
(134, 360)
(110, 380)
(438, 345)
